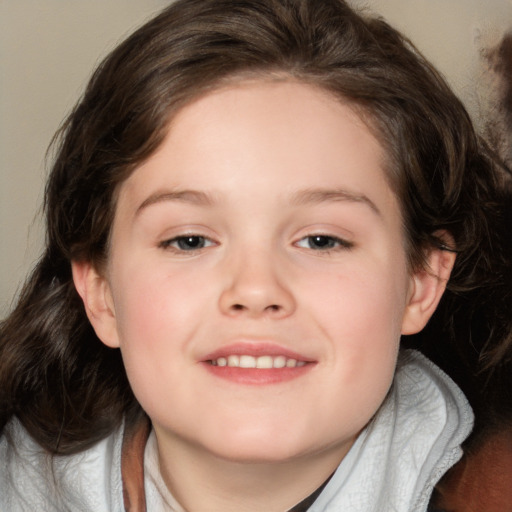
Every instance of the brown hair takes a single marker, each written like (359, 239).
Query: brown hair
(64, 385)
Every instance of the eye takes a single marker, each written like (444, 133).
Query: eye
(187, 243)
(323, 243)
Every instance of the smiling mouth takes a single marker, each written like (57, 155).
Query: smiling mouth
(257, 363)
(265, 362)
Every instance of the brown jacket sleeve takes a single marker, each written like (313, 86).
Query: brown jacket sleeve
(482, 480)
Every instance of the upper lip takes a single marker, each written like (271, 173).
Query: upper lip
(255, 349)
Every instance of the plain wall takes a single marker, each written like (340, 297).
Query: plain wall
(48, 49)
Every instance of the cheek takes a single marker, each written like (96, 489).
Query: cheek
(156, 316)
(153, 303)
(367, 338)
(364, 306)
(360, 313)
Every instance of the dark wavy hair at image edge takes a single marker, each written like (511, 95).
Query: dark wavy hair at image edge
(64, 385)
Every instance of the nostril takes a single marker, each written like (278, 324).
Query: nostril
(241, 307)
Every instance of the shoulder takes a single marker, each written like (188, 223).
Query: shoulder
(32, 479)
(483, 478)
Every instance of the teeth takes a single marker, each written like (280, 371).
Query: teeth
(247, 362)
(233, 361)
(263, 362)
(279, 362)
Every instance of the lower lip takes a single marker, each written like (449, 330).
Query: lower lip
(256, 376)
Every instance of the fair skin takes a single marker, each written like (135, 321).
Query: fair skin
(263, 226)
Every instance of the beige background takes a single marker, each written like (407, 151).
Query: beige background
(48, 48)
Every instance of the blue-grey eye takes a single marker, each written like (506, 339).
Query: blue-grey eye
(187, 243)
(190, 243)
(323, 242)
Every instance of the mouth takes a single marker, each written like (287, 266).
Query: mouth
(257, 364)
(265, 362)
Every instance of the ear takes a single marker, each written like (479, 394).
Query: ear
(94, 290)
(427, 287)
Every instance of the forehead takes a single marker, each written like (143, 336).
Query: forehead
(244, 137)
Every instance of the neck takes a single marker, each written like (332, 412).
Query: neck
(200, 480)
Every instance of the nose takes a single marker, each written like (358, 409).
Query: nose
(255, 287)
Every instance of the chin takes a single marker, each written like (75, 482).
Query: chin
(276, 446)
(258, 455)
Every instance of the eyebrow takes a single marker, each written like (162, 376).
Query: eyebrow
(300, 198)
(186, 196)
(316, 196)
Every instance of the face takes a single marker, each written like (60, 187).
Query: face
(257, 279)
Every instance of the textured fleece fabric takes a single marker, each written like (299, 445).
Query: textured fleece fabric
(393, 466)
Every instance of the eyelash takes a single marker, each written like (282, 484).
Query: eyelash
(327, 243)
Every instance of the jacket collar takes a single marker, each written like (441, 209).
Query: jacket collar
(132, 464)
(414, 438)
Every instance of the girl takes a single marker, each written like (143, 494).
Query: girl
(250, 205)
